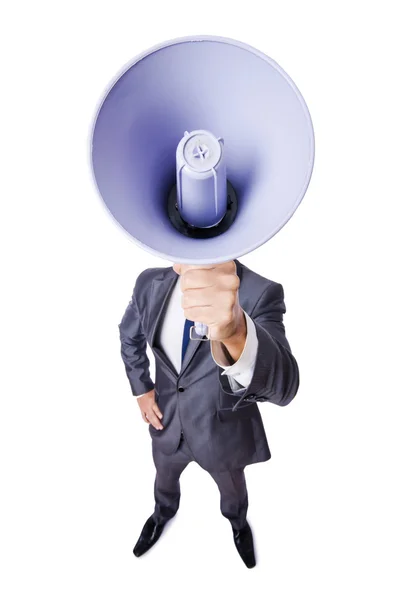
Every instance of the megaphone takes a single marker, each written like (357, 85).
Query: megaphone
(202, 149)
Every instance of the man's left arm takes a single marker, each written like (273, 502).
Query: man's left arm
(274, 374)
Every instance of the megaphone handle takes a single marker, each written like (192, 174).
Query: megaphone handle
(198, 330)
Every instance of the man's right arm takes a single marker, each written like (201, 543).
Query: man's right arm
(133, 350)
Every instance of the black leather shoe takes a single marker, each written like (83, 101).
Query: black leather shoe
(245, 545)
(150, 534)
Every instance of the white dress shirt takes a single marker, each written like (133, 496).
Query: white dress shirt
(239, 373)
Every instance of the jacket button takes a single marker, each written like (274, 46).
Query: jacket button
(181, 389)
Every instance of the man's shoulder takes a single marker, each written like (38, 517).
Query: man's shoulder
(152, 273)
(254, 279)
(146, 277)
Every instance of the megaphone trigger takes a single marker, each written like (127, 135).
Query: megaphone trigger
(198, 330)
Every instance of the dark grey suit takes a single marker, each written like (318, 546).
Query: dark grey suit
(223, 431)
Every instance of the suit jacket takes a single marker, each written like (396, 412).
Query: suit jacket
(224, 430)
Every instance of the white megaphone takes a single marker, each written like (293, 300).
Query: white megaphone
(202, 149)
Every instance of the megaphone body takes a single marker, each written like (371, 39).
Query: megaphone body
(202, 150)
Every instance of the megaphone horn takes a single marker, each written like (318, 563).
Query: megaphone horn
(202, 150)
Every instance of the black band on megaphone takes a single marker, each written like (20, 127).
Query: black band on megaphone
(202, 232)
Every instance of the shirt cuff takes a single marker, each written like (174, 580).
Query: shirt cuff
(242, 370)
(235, 386)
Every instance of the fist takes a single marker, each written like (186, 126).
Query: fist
(149, 410)
(210, 296)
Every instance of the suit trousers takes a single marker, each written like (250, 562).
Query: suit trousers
(231, 484)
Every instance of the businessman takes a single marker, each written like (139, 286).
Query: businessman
(202, 406)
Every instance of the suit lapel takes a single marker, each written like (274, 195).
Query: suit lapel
(160, 291)
(191, 350)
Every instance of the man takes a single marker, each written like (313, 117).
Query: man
(203, 404)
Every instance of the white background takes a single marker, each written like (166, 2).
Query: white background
(76, 466)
